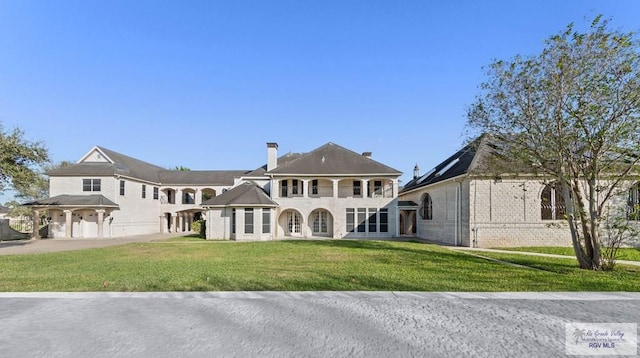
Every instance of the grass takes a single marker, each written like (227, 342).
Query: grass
(630, 254)
(197, 265)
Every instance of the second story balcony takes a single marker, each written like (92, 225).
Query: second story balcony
(326, 188)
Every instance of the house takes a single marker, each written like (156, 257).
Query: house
(463, 202)
(328, 192)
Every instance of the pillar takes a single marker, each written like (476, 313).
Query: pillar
(175, 222)
(365, 188)
(100, 223)
(68, 223)
(305, 187)
(335, 188)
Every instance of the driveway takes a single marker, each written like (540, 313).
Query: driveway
(54, 245)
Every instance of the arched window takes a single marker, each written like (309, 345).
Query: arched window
(552, 206)
(633, 204)
(426, 210)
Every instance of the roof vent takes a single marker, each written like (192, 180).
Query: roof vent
(366, 154)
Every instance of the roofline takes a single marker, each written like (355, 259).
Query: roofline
(70, 206)
(95, 147)
(438, 182)
(240, 206)
(333, 175)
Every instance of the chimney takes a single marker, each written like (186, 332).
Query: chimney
(272, 156)
(366, 154)
(416, 172)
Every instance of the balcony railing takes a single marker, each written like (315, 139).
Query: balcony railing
(326, 191)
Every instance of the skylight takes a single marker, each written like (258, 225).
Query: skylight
(447, 167)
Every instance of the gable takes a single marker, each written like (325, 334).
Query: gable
(95, 155)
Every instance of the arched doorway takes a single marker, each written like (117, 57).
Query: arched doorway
(291, 223)
(321, 223)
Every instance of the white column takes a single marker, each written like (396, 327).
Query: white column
(365, 188)
(68, 223)
(100, 223)
(305, 188)
(335, 187)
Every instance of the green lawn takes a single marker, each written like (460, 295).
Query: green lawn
(623, 254)
(196, 265)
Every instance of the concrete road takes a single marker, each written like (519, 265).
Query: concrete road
(303, 324)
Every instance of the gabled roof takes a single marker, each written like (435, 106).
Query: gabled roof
(75, 200)
(332, 159)
(245, 194)
(471, 159)
(119, 164)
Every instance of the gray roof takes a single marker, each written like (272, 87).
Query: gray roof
(75, 200)
(4, 209)
(283, 160)
(332, 159)
(135, 168)
(245, 194)
(476, 158)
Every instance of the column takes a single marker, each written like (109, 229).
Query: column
(365, 188)
(175, 223)
(100, 223)
(305, 187)
(36, 224)
(197, 197)
(189, 221)
(335, 187)
(68, 223)
(180, 227)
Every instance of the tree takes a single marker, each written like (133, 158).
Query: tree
(572, 115)
(39, 188)
(20, 160)
(181, 168)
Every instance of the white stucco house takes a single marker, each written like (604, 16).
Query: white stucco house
(329, 192)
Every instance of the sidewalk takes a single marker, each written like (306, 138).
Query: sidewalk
(19, 247)
(498, 251)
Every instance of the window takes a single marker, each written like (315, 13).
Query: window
(121, 187)
(156, 193)
(372, 220)
(350, 219)
(188, 198)
(384, 220)
(144, 191)
(320, 222)
(357, 188)
(90, 184)
(377, 188)
(362, 219)
(233, 221)
(266, 221)
(293, 222)
(633, 204)
(426, 211)
(552, 206)
(284, 189)
(294, 186)
(248, 221)
(314, 187)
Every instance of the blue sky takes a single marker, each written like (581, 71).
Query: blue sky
(205, 84)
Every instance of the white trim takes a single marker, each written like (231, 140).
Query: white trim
(95, 149)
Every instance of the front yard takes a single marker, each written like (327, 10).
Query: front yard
(182, 265)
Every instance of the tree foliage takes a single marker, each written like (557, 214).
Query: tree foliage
(572, 115)
(20, 161)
